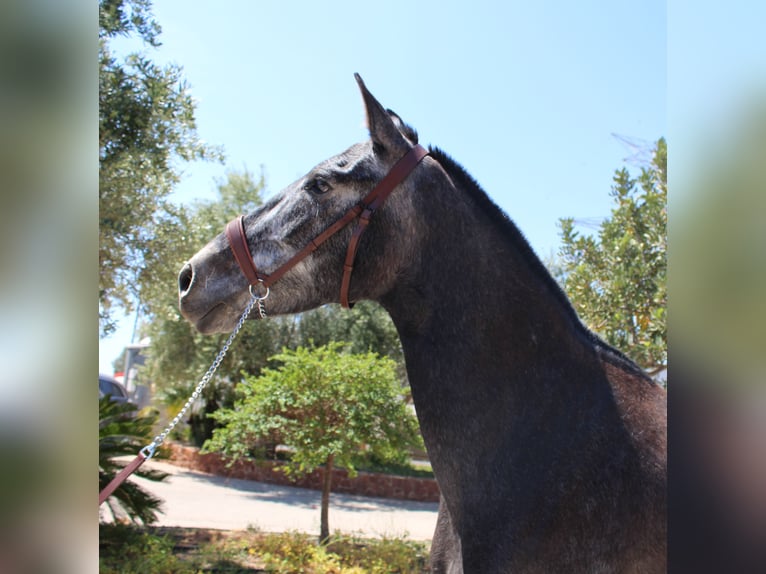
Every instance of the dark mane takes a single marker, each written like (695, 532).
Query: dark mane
(466, 182)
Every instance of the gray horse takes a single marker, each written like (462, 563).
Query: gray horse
(548, 445)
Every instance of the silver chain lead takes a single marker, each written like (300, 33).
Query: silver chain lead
(148, 450)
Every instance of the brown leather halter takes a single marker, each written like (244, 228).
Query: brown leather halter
(364, 210)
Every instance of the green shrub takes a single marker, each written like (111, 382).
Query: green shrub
(295, 552)
(384, 556)
(127, 550)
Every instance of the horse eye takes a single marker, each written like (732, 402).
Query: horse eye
(318, 186)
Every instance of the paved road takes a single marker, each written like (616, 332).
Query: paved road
(196, 499)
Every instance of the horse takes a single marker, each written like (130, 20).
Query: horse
(548, 445)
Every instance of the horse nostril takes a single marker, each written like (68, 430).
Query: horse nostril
(185, 279)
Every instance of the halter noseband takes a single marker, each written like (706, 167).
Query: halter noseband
(235, 230)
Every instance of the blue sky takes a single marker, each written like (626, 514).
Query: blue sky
(527, 96)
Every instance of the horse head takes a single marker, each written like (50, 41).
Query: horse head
(212, 287)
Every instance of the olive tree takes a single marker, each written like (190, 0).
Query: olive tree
(147, 129)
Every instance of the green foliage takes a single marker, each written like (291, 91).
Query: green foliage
(146, 127)
(129, 550)
(367, 327)
(617, 280)
(121, 17)
(322, 402)
(295, 552)
(123, 432)
(381, 556)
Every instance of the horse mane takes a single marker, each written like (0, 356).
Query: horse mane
(512, 233)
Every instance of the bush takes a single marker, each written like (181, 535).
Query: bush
(127, 550)
(295, 552)
(382, 556)
(131, 549)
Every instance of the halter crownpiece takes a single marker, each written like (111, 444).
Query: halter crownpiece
(364, 210)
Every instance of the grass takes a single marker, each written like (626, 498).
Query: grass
(148, 550)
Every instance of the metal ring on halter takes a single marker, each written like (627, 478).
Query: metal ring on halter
(258, 296)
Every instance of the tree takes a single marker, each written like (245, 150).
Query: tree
(121, 432)
(367, 327)
(146, 127)
(179, 355)
(328, 406)
(617, 280)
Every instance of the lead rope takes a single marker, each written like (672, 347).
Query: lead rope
(148, 451)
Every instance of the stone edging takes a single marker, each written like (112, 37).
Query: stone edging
(365, 483)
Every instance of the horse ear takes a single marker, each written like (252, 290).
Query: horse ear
(383, 131)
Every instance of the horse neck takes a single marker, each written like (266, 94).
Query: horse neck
(490, 346)
(478, 290)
